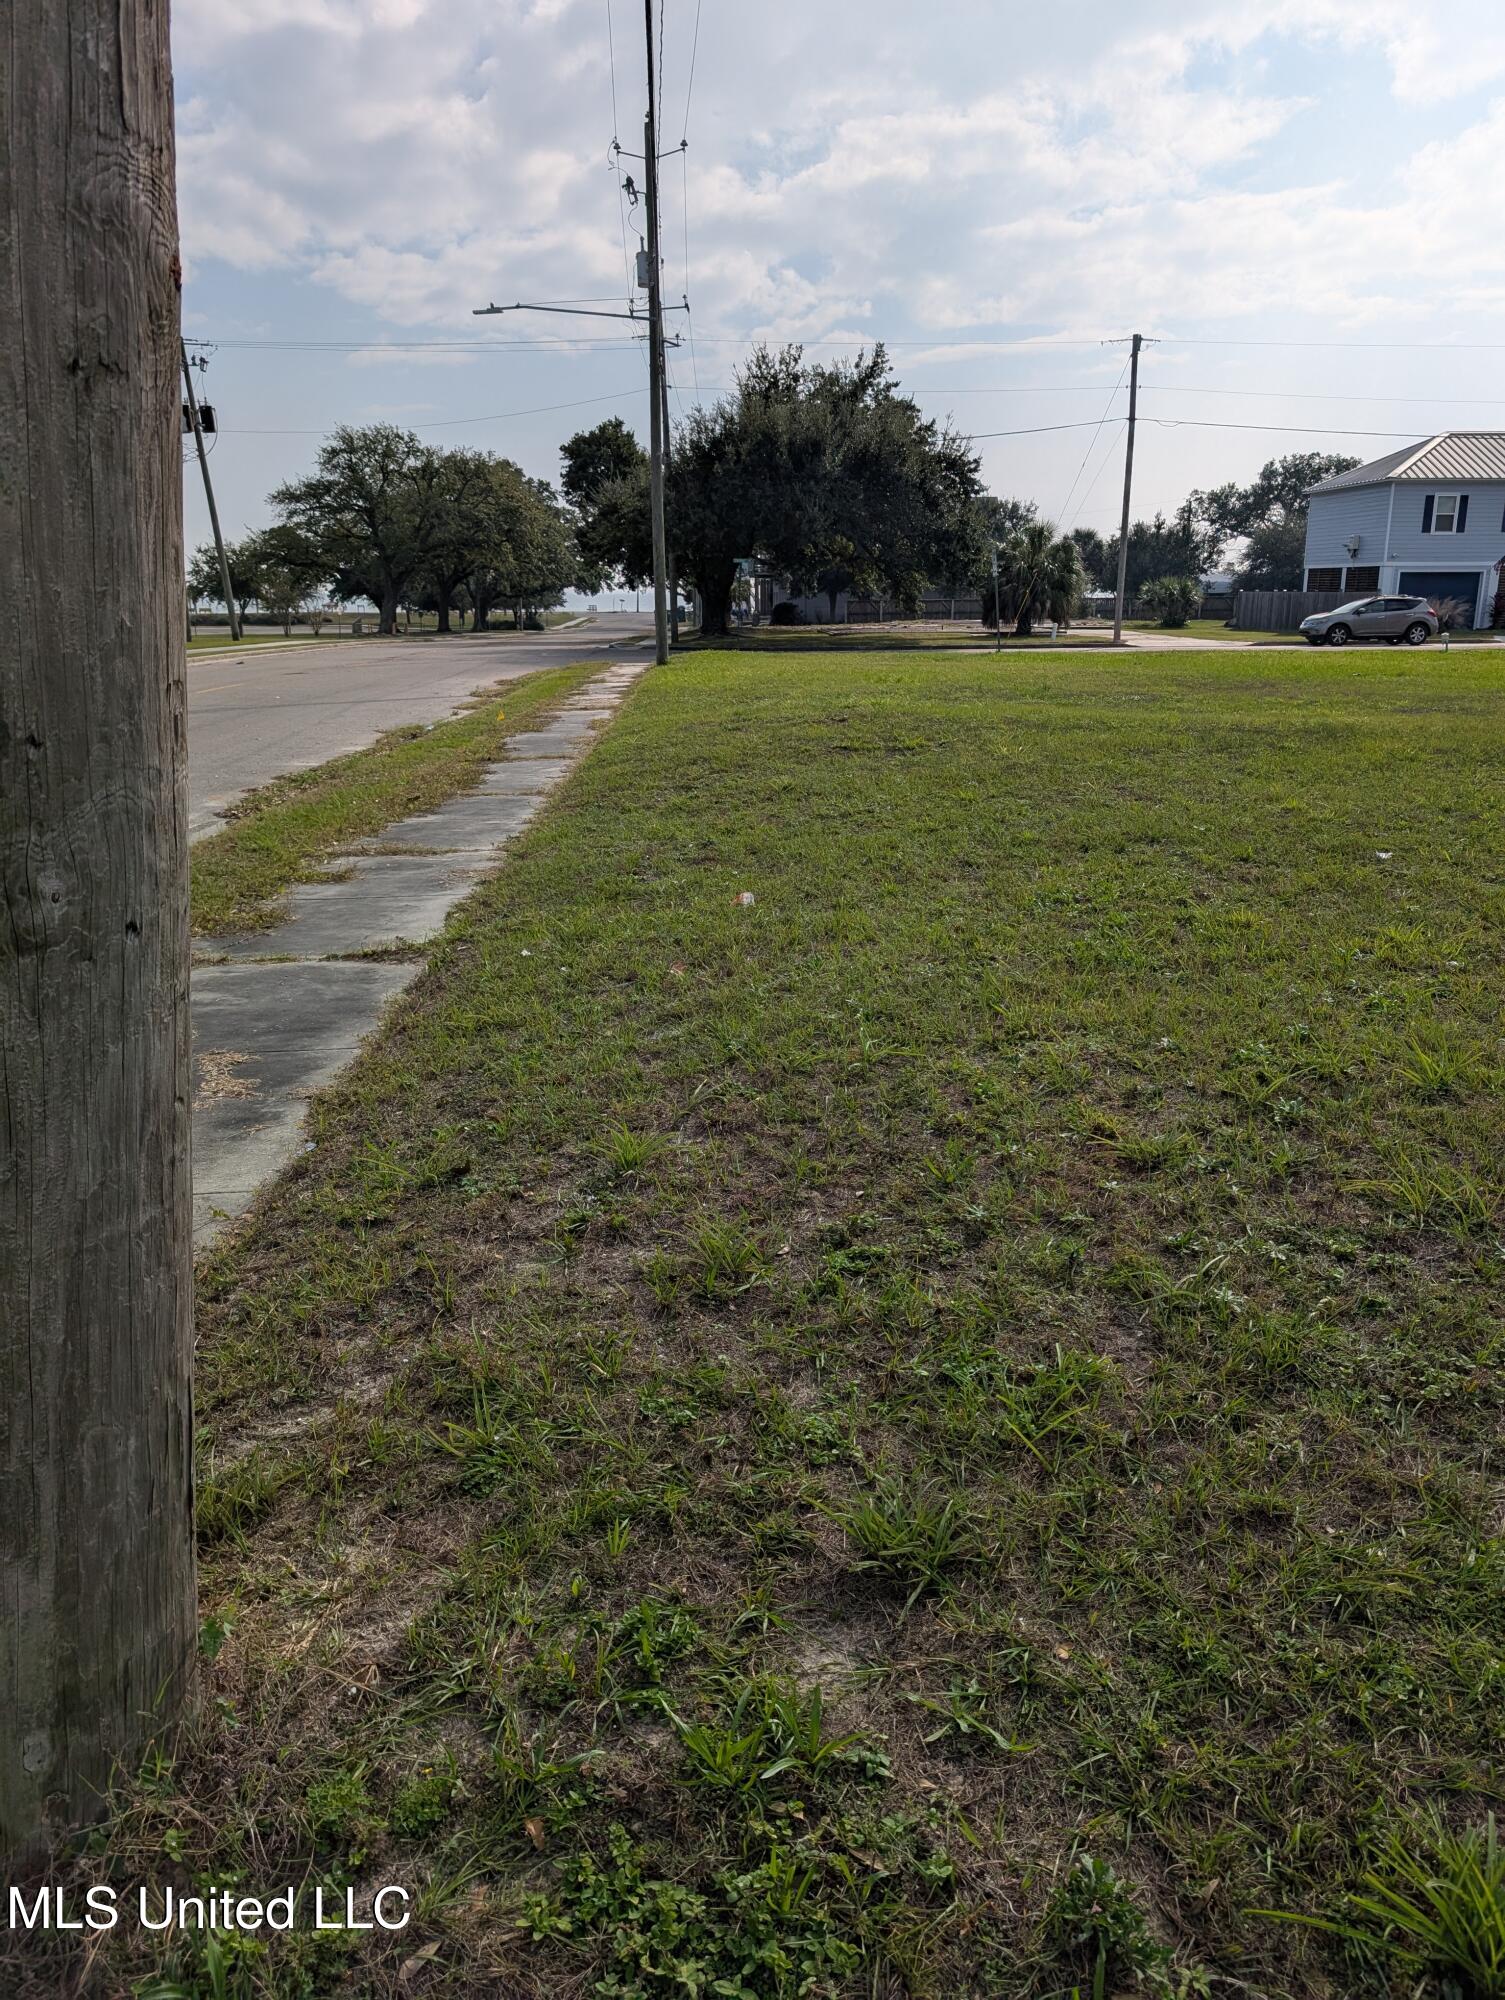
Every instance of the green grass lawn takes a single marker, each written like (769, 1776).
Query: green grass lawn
(882, 639)
(280, 833)
(206, 641)
(935, 1433)
(1209, 628)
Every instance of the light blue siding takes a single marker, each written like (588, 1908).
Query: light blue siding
(1335, 518)
(1481, 541)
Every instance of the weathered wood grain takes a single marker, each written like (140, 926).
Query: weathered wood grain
(96, 1564)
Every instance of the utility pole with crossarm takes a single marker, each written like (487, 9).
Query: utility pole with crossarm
(198, 438)
(1123, 532)
(658, 394)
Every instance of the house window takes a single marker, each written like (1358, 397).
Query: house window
(1444, 514)
(1324, 579)
(1362, 577)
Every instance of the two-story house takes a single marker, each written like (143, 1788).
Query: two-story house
(1425, 521)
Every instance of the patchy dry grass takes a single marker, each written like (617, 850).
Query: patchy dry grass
(279, 833)
(933, 1434)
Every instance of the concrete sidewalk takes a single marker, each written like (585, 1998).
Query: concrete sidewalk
(257, 713)
(281, 1012)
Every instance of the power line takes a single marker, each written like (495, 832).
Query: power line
(1102, 466)
(1028, 430)
(1196, 389)
(448, 423)
(622, 221)
(1308, 430)
(1036, 430)
(1351, 346)
(1026, 345)
(669, 378)
(611, 56)
(1196, 424)
(690, 88)
(721, 339)
(684, 172)
(399, 347)
(1318, 395)
(1092, 441)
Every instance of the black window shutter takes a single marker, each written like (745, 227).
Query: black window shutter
(1426, 513)
(1462, 522)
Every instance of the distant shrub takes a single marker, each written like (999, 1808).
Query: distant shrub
(784, 613)
(1173, 599)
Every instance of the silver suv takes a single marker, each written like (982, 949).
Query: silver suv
(1392, 618)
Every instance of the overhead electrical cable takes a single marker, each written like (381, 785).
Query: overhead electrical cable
(1092, 441)
(690, 87)
(447, 423)
(1192, 423)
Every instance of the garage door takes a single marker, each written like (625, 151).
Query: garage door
(1436, 583)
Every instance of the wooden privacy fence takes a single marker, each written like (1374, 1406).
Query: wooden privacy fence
(1282, 610)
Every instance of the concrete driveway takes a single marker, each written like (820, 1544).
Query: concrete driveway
(256, 714)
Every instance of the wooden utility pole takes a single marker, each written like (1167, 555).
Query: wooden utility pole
(669, 562)
(655, 365)
(1123, 531)
(96, 1468)
(219, 540)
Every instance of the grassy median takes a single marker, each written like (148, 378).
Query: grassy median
(889, 1380)
(280, 833)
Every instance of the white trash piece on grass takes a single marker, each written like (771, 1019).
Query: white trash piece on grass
(1383, 853)
(746, 898)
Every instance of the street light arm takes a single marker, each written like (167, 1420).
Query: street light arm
(574, 312)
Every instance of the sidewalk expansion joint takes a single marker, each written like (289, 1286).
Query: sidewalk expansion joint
(278, 1013)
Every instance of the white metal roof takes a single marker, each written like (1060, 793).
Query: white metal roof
(1450, 455)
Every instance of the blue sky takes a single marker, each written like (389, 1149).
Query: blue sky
(997, 191)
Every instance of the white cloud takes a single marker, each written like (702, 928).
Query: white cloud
(982, 184)
(413, 158)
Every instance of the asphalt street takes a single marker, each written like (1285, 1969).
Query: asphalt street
(256, 714)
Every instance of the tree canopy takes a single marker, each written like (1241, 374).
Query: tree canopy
(373, 508)
(1184, 545)
(278, 568)
(386, 517)
(825, 471)
(1269, 515)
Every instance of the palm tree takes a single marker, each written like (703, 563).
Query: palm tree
(1040, 575)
